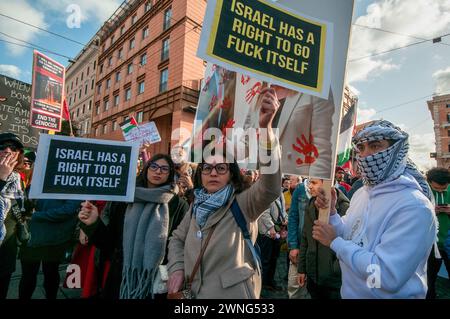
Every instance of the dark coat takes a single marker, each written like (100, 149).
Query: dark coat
(52, 227)
(109, 238)
(318, 262)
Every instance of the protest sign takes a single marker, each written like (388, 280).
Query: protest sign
(308, 125)
(47, 93)
(15, 111)
(80, 168)
(144, 134)
(270, 42)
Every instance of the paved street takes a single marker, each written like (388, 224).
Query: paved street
(443, 284)
(39, 293)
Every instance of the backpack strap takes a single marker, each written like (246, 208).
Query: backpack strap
(240, 220)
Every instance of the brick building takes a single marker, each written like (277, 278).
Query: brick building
(439, 108)
(80, 84)
(147, 68)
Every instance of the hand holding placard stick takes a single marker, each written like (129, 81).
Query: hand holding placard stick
(325, 200)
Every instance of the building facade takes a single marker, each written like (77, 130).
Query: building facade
(348, 99)
(439, 108)
(80, 85)
(148, 69)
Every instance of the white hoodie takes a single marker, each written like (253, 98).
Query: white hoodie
(384, 241)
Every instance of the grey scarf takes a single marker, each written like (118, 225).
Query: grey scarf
(145, 233)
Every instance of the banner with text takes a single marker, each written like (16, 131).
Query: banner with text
(47, 93)
(270, 42)
(230, 100)
(15, 111)
(80, 168)
(144, 134)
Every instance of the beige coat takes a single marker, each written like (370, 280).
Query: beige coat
(227, 269)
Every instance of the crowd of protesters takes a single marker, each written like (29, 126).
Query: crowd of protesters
(216, 230)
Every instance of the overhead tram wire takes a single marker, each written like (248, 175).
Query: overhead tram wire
(396, 49)
(62, 36)
(32, 45)
(408, 102)
(34, 48)
(396, 33)
(37, 47)
(39, 28)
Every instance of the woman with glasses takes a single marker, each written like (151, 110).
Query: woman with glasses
(136, 236)
(227, 268)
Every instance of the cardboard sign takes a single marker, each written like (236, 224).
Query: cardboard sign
(15, 111)
(80, 168)
(47, 93)
(145, 134)
(270, 42)
(308, 124)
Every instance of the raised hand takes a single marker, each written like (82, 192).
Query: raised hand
(269, 107)
(7, 163)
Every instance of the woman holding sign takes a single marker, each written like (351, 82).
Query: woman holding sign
(211, 234)
(137, 233)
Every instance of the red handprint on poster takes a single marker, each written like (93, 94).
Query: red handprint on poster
(229, 124)
(245, 79)
(308, 149)
(251, 93)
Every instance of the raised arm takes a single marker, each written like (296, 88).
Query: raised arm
(255, 200)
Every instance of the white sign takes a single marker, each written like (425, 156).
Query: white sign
(144, 134)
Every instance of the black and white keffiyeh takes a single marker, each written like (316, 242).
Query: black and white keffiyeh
(389, 164)
(206, 204)
(10, 195)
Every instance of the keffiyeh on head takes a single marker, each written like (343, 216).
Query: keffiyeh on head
(390, 163)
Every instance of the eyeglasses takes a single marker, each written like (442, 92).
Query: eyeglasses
(12, 147)
(163, 168)
(221, 168)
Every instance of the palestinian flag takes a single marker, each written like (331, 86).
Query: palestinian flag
(128, 125)
(344, 148)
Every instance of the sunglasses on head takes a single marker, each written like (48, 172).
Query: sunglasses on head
(12, 147)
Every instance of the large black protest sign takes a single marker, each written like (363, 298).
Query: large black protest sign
(78, 168)
(15, 101)
(270, 42)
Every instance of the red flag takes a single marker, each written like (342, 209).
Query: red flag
(66, 114)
